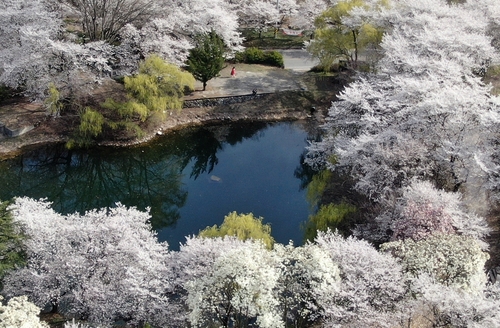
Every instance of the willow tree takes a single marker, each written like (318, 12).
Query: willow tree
(242, 226)
(343, 31)
(158, 88)
(206, 59)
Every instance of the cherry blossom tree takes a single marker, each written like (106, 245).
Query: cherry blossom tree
(308, 282)
(194, 261)
(170, 33)
(372, 285)
(104, 19)
(424, 210)
(20, 313)
(425, 113)
(237, 290)
(452, 260)
(451, 306)
(35, 53)
(103, 266)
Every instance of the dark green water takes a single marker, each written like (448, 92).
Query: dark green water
(190, 179)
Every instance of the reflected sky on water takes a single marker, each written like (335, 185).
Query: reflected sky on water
(189, 179)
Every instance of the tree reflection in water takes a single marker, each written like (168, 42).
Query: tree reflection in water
(146, 176)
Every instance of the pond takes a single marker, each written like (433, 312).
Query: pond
(189, 179)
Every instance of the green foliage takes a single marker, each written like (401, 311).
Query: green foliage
(273, 58)
(317, 186)
(159, 86)
(256, 56)
(11, 242)
(250, 56)
(91, 126)
(243, 226)
(5, 92)
(206, 59)
(328, 217)
(334, 41)
(127, 110)
(91, 123)
(53, 101)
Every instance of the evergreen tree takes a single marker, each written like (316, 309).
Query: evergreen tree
(206, 59)
(11, 242)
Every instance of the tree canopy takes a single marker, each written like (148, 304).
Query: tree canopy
(206, 59)
(242, 226)
(342, 31)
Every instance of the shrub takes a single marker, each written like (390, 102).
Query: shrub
(256, 56)
(273, 58)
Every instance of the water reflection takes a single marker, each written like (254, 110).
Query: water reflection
(256, 175)
(79, 181)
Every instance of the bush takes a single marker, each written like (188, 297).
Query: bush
(273, 58)
(256, 56)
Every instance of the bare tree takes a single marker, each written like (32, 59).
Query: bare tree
(103, 19)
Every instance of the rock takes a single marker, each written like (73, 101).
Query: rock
(215, 178)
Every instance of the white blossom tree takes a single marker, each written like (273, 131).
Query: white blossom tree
(372, 285)
(104, 19)
(170, 33)
(308, 282)
(423, 210)
(237, 290)
(425, 113)
(452, 306)
(34, 53)
(20, 313)
(103, 266)
(452, 260)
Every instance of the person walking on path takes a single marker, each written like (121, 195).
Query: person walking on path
(233, 72)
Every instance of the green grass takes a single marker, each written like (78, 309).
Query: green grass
(268, 41)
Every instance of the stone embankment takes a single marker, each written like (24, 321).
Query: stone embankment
(270, 107)
(221, 101)
(281, 95)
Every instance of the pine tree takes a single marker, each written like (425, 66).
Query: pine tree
(11, 242)
(206, 59)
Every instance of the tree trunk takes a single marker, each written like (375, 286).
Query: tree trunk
(204, 85)
(355, 38)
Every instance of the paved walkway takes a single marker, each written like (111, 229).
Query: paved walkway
(262, 78)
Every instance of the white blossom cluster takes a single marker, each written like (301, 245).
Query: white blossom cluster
(20, 313)
(416, 135)
(107, 265)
